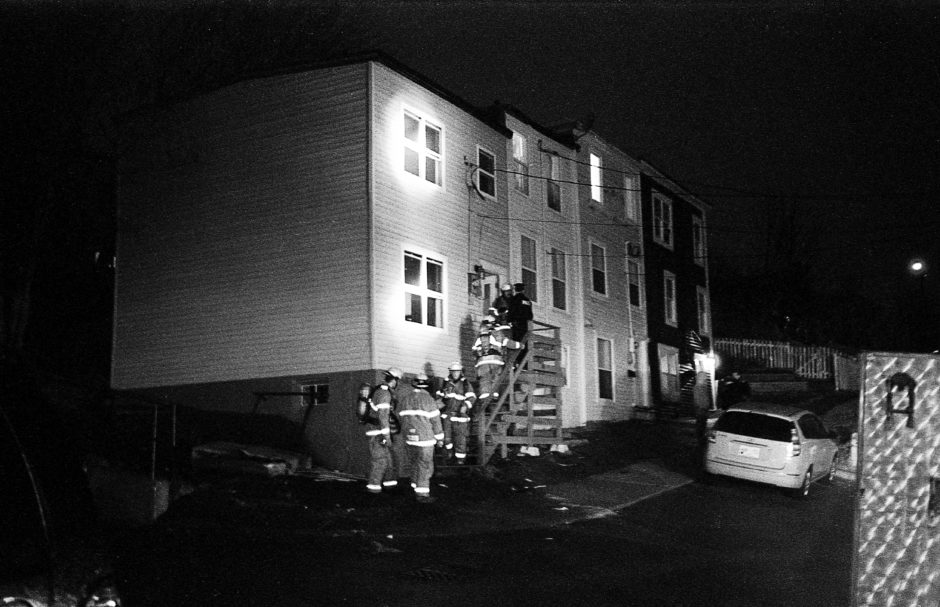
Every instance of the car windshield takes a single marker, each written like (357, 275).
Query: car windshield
(754, 425)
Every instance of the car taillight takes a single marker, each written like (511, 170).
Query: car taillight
(795, 442)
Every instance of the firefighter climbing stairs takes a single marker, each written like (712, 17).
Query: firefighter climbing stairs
(528, 409)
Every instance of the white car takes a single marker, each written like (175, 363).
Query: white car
(775, 444)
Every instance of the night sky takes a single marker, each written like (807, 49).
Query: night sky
(813, 124)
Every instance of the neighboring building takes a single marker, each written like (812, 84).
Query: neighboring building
(676, 268)
(615, 303)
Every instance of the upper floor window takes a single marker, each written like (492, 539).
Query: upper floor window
(423, 148)
(559, 280)
(553, 187)
(633, 280)
(662, 220)
(597, 179)
(486, 172)
(698, 239)
(424, 290)
(598, 269)
(529, 267)
(520, 160)
(669, 299)
(631, 198)
(701, 301)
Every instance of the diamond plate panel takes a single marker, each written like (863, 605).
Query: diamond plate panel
(897, 537)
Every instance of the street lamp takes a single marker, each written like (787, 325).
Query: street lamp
(917, 267)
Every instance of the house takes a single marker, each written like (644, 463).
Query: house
(286, 238)
(677, 287)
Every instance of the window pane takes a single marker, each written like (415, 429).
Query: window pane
(433, 139)
(558, 295)
(605, 381)
(412, 164)
(487, 162)
(435, 312)
(487, 184)
(529, 280)
(430, 170)
(596, 192)
(554, 196)
(413, 308)
(603, 354)
(435, 276)
(528, 253)
(412, 270)
(411, 127)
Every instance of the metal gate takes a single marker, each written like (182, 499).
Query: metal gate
(896, 558)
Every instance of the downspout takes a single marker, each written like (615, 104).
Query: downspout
(370, 214)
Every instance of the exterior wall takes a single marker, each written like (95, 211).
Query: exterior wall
(610, 316)
(680, 261)
(242, 231)
(450, 223)
(550, 229)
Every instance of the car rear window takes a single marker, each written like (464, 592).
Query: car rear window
(754, 425)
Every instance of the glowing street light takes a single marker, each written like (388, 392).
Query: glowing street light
(917, 267)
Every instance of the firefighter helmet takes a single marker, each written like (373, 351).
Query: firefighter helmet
(507, 287)
(455, 366)
(421, 381)
(393, 372)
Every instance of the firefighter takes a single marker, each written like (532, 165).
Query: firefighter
(457, 397)
(421, 426)
(501, 304)
(490, 348)
(382, 473)
(520, 316)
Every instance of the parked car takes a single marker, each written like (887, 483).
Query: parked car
(775, 444)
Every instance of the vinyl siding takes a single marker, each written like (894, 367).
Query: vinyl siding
(242, 234)
(411, 214)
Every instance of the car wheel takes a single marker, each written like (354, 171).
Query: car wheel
(803, 489)
(831, 475)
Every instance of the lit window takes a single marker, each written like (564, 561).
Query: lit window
(669, 298)
(701, 299)
(424, 290)
(559, 280)
(597, 192)
(486, 175)
(631, 198)
(698, 239)
(605, 369)
(662, 220)
(520, 159)
(553, 185)
(598, 269)
(529, 267)
(423, 148)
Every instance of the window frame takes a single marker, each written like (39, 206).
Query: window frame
(556, 255)
(663, 233)
(605, 381)
(520, 143)
(631, 198)
(603, 270)
(634, 278)
(597, 178)
(670, 306)
(481, 151)
(529, 274)
(422, 290)
(668, 371)
(553, 183)
(304, 388)
(419, 146)
(703, 310)
(698, 240)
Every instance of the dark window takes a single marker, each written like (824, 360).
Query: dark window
(812, 427)
(317, 394)
(755, 425)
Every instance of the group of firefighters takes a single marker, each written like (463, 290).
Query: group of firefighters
(442, 419)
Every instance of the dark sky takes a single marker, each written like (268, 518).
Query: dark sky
(823, 117)
(831, 110)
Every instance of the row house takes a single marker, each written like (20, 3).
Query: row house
(677, 285)
(294, 235)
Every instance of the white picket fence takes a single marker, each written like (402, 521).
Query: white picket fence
(808, 362)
